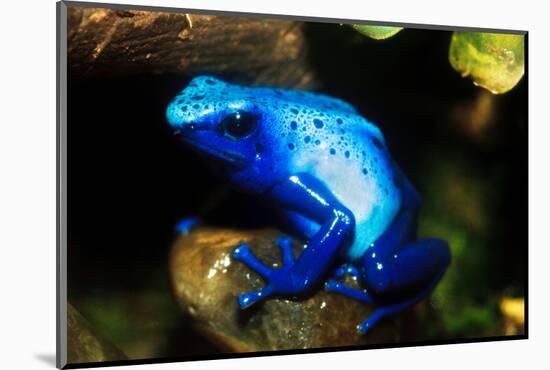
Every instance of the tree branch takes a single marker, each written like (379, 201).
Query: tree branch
(109, 42)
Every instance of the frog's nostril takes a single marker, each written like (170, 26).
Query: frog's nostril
(192, 126)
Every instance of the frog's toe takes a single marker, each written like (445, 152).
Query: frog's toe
(339, 287)
(247, 299)
(363, 327)
(285, 243)
(373, 319)
(346, 269)
(332, 285)
(243, 253)
(185, 225)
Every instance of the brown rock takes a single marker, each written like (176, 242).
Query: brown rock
(207, 281)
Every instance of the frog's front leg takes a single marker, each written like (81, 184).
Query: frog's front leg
(309, 197)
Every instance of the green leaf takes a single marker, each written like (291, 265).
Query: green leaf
(377, 32)
(494, 61)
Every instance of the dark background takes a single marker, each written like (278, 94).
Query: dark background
(130, 180)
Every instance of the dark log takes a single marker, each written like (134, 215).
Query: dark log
(108, 42)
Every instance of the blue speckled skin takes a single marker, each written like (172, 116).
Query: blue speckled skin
(328, 171)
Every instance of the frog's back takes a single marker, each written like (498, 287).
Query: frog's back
(330, 140)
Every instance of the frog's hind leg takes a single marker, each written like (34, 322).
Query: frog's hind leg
(400, 275)
(398, 270)
(395, 308)
(362, 295)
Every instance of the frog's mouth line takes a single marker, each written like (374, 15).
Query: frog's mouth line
(233, 158)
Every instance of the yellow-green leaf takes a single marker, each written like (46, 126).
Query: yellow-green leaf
(494, 61)
(377, 32)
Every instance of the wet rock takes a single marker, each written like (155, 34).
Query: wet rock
(84, 344)
(207, 281)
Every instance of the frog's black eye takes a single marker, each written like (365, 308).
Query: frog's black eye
(237, 125)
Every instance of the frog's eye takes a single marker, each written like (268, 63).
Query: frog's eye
(237, 125)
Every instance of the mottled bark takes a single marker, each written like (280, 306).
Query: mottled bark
(107, 42)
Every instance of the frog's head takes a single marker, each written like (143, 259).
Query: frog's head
(226, 123)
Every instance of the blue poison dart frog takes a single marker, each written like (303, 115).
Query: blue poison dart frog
(329, 173)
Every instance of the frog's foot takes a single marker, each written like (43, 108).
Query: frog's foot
(271, 275)
(395, 308)
(185, 225)
(336, 286)
(362, 295)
